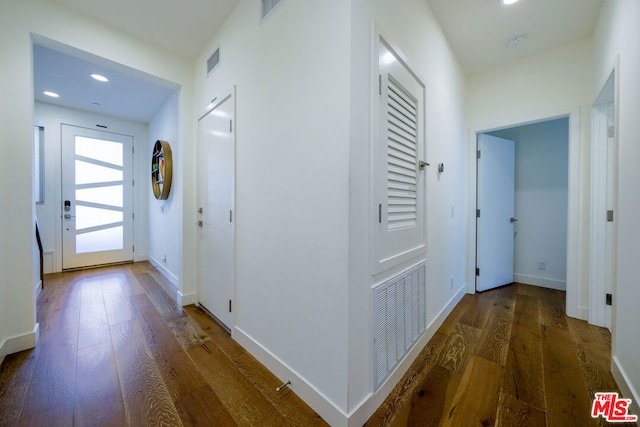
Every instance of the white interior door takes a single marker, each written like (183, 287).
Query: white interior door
(216, 200)
(97, 219)
(611, 225)
(496, 205)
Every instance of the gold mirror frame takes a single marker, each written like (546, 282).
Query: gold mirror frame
(161, 170)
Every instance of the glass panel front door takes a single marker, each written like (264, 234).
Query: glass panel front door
(96, 210)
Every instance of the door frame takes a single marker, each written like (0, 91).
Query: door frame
(215, 103)
(128, 195)
(598, 230)
(575, 249)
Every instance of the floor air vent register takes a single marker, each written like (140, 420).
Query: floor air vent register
(399, 306)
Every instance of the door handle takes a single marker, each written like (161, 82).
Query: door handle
(69, 216)
(512, 220)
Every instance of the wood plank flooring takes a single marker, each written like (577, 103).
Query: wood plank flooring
(506, 357)
(115, 350)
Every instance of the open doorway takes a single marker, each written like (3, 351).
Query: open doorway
(116, 111)
(539, 223)
(577, 215)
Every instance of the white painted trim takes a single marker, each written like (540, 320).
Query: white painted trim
(382, 263)
(327, 409)
(626, 386)
(186, 299)
(172, 278)
(362, 412)
(20, 342)
(472, 150)
(583, 312)
(544, 282)
(598, 313)
(576, 216)
(38, 288)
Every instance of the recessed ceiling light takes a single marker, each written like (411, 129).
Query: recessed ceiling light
(99, 77)
(51, 94)
(516, 41)
(508, 2)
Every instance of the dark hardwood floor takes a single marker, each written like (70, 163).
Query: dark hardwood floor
(506, 357)
(115, 350)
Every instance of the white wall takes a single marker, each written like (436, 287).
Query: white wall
(555, 83)
(19, 22)
(411, 26)
(617, 33)
(165, 216)
(292, 156)
(541, 197)
(51, 117)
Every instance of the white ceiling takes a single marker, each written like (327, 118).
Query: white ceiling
(184, 27)
(128, 94)
(479, 29)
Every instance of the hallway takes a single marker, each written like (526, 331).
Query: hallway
(114, 351)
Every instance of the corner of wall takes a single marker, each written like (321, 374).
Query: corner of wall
(363, 412)
(625, 385)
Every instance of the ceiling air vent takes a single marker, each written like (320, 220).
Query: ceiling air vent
(213, 61)
(268, 6)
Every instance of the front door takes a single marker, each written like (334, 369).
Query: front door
(97, 219)
(216, 199)
(495, 216)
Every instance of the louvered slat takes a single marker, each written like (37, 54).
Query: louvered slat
(400, 318)
(402, 138)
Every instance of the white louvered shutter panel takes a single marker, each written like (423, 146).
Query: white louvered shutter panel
(399, 182)
(402, 152)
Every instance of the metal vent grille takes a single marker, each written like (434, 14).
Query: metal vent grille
(400, 318)
(402, 149)
(213, 61)
(268, 6)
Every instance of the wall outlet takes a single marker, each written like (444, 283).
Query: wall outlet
(164, 259)
(451, 283)
(542, 264)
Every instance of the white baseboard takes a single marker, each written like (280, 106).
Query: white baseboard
(626, 387)
(307, 392)
(186, 299)
(327, 409)
(38, 288)
(359, 415)
(559, 285)
(172, 278)
(583, 313)
(181, 299)
(20, 342)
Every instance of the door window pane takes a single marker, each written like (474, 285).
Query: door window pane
(89, 173)
(87, 217)
(38, 181)
(105, 151)
(110, 239)
(111, 195)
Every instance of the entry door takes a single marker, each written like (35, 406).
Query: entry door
(216, 199)
(496, 210)
(97, 220)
